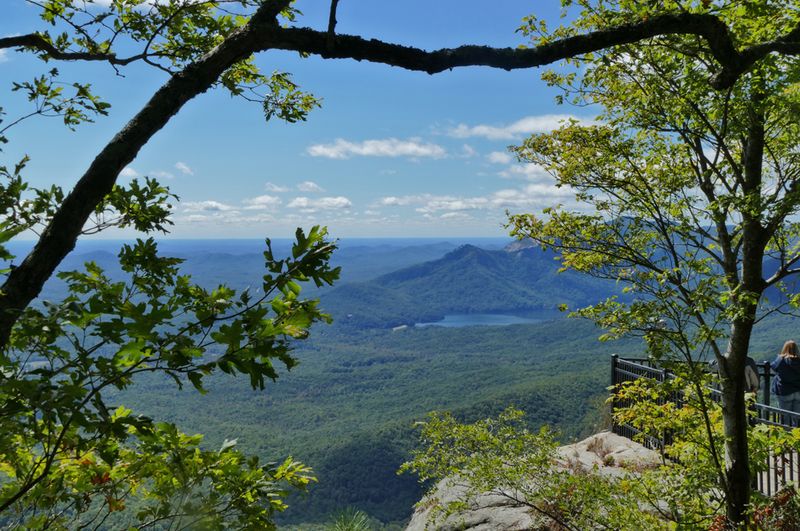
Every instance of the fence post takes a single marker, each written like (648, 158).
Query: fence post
(612, 403)
(767, 376)
(614, 358)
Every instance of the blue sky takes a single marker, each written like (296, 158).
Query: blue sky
(391, 153)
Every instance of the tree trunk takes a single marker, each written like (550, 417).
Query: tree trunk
(734, 418)
(746, 297)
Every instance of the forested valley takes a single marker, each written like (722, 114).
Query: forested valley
(349, 408)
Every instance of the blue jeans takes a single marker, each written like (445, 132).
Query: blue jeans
(790, 402)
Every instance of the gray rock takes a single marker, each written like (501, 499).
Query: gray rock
(609, 454)
(604, 453)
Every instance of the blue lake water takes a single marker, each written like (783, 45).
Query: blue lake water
(489, 319)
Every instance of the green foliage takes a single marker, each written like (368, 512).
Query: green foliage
(685, 195)
(500, 456)
(350, 519)
(781, 513)
(69, 457)
(49, 99)
(285, 99)
(693, 485)
(143, 206)
(60, 433)
(159, 476)
(168, 35)
(666, 199)
(689, 486)
(488, 456)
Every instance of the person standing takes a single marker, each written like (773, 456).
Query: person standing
(786, 384)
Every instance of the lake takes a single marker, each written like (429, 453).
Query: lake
(490, 319)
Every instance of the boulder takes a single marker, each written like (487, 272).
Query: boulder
(609, 454)
(604, 453)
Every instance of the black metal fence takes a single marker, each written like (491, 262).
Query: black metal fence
(779, 469)
(765, 374)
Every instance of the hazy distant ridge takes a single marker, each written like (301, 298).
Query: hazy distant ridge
(466, 280)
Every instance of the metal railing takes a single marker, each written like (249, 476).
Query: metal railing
(779, 470)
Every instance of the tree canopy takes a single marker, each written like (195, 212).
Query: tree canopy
(686, 196)
(721, 75)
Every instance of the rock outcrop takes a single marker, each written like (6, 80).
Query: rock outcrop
(604, 453)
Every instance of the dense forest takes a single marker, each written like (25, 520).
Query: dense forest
(349, 408)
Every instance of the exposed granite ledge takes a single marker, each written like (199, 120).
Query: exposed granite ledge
(605, 452)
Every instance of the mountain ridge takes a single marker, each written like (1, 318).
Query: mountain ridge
(465, 280)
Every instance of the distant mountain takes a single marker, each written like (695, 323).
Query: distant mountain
(240, 265)
(519, 279)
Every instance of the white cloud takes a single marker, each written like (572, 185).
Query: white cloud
(262, 202)
(275, 189)
(321, 203)
(528, 172)
(532, 196)
(183, 168)
(430, 203)
(161, 174)
(206, 206)
(455, 215)
(389, 147)
(3, 55)
(229, 218)
(310, 187)
(400, 201)
(129, 172)
(499, 157)
(525, 126)
(454, 204)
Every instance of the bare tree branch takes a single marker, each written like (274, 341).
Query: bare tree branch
(347, 46)
(332, 25)
(733, 63)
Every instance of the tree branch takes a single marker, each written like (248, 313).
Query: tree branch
(789, 44)
(332, 25)
(352, 47)
(25, 282)
(733, 63)
(37, 41)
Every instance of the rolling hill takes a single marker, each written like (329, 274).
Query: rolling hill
(515, 280)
